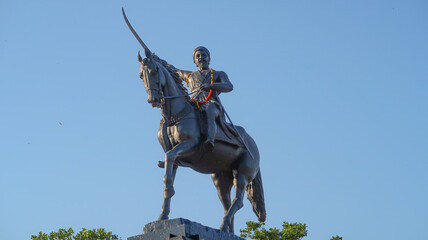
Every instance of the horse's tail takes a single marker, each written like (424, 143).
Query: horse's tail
(256, 196)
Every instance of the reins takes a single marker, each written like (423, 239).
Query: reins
(184, 95)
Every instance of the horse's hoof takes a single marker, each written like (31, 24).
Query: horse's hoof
(161, 164)
(163, 217)
(168, 192)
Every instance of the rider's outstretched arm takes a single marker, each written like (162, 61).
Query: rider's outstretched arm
(182, 74)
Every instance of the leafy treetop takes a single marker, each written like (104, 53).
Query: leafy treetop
(290, 231)
(84, 234)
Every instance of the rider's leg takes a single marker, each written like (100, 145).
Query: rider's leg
(212, 112)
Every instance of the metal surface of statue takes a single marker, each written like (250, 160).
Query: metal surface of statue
(194, 133)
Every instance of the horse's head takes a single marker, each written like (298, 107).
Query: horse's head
(152, 78)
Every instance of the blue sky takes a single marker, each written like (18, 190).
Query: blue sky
(335, 93)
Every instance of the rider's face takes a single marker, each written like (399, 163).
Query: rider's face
(202, 59)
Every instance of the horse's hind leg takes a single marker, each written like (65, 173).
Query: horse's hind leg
(223, 181)
(246, 171)
(240, 183)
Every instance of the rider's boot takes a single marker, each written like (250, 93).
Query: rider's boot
(209, 145)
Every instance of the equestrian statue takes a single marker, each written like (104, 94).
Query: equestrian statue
(194, 132)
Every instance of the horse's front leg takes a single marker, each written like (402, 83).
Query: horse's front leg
(182, 150)
(167, 201)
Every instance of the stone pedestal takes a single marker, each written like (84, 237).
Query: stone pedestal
(182, 229)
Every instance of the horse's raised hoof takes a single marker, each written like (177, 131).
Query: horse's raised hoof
(168, 192)
(161, 164)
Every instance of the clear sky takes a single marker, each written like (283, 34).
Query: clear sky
(335, 93)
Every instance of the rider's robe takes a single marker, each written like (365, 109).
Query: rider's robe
(197, 79)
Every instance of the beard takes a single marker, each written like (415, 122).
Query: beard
(203, 64)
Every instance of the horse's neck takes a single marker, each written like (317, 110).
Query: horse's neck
(176, 104)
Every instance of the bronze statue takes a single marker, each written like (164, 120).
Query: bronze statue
(193, 132)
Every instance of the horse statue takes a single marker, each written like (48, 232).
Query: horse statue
(181, 138)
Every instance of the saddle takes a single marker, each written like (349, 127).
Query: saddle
(225, 131)
(224, 135)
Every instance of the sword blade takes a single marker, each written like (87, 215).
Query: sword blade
(146, 49)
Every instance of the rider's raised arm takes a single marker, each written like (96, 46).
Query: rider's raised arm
(222, 83)
(182, 74)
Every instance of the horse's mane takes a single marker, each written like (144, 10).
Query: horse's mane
(169, 71)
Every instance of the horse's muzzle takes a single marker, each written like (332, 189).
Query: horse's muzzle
(154, 102)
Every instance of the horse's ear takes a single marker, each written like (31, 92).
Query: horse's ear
(148, 53)
(139, 57)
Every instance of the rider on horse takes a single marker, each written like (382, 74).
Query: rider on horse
(205, 85)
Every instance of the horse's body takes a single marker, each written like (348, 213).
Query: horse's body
(181, 138)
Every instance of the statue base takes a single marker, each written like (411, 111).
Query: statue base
(182, 229)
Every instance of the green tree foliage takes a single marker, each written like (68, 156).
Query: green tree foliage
(290, 231)
(84, 234)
